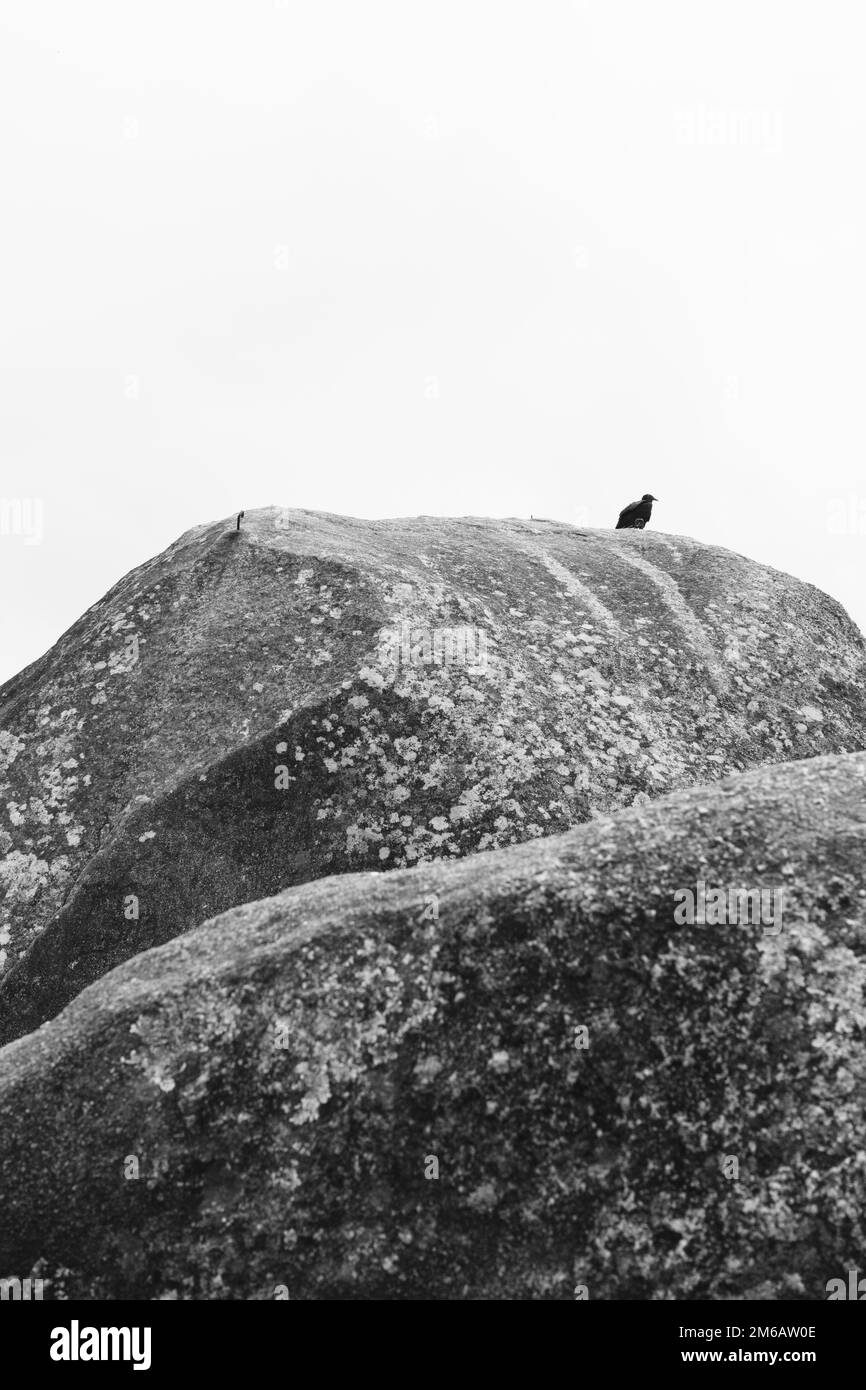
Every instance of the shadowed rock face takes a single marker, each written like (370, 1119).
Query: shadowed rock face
(256, 709)
(285, 1074)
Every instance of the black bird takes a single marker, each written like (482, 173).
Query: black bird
(637, 514)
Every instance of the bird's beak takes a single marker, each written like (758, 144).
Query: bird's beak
(656, 499)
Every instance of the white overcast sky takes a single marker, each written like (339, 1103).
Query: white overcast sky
(458, 258)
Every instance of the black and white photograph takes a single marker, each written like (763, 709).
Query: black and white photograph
(432, 671)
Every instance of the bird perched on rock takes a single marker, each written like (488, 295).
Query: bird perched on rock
(636, 514)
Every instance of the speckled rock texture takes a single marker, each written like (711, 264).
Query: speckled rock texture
(259, 1108)
(255, 709)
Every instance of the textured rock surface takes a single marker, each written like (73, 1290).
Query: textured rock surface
(432, 1013)
(139, 756)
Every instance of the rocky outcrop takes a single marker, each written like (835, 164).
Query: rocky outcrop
(315, 695)
(501, 1077)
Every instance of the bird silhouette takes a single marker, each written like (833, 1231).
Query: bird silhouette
(636, 514)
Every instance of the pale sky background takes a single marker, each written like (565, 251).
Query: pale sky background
(470, 257)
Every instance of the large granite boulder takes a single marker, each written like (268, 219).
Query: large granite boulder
(518, 1075)
(314, 695)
